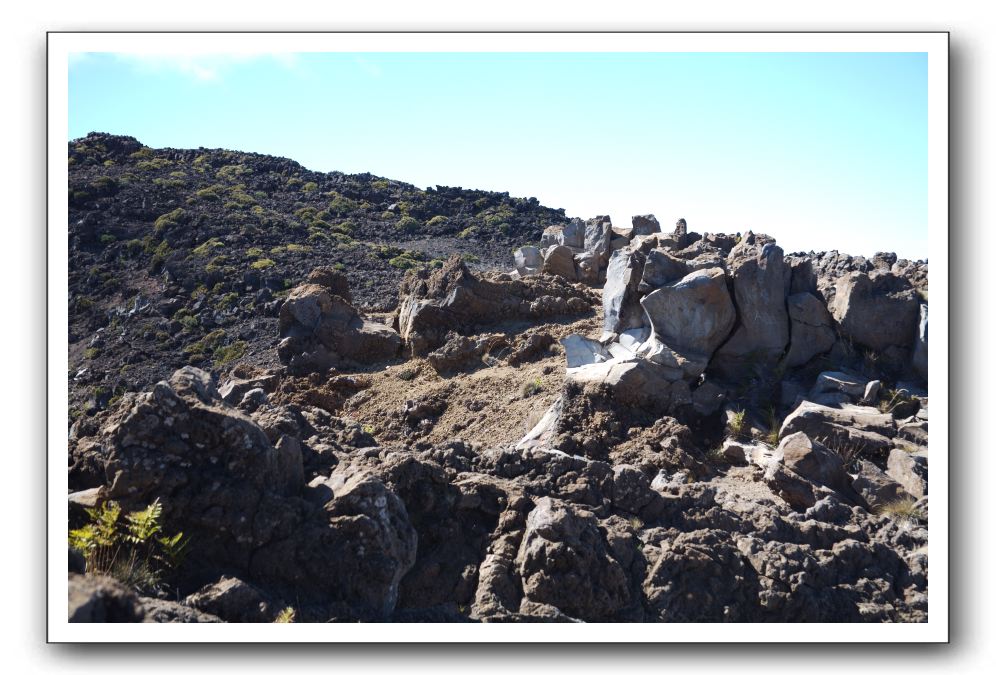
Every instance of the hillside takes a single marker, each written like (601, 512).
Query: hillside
(169, 246)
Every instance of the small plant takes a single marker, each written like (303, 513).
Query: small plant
(736, 425)
(107, 239)
(408, 375)
(207, 247)
(133, 549)
(437, 220)
(262, 264)
(407, 224)
(310, 186)
(468, 232)
(532, 388)
(774, 428)
(636, 523)
(286, 615)
(91, 353)
(902, 510)
(890, 399)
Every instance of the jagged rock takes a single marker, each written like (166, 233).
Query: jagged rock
(644, 225)
(461, 352)
(811, 329)
(920, 345)
(565, 561)
(909, 469)
(597, 239)
(581, 351)
(332, 280)
(620, 302)
(638, 383)
(223, 483)
(232, 600)
(572, 235)
(661, 268)
(707, 398)
(236, 388)
(100, 599)
(559, 261)
(320, 330)
(528, 260)
(875, 487)
(876, 310)
(166, 611)
(811, 460)
(453, 299)
(850, 426)
(760, 286)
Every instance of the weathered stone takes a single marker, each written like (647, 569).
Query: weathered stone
(875, 487)
(760, 286)
(811, 460)
(572, 235)
(848, 426)
(528, 260)
(559, 261)
(694, 315)
(620, 302)
(644, 225)
(909, 470)
(811, 329)
(565, 561)
(639, 383)
(877, 310)
(661, 268)
(597, 239)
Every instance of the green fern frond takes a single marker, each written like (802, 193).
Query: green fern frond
(144, 525)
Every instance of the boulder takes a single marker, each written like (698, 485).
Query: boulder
(876, 310)
(637, 383)
(875, 487)
(452, 299)
(572, 235)
(224, 484)
(559, 261)
(528, 260)
(810, 329)
(565, 561)
(760, 286)
(332, 280)
(920, 345)
(644, 225)
(232, 600)
(582, 351)
(320, 330)
(661, 268)
(694, 314)
(100, 599)
(811, 460)
(909, 469)
(620, 301)
(854, 388)
(597, 239)
(848, 427)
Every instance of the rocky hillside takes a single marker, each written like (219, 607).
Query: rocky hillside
(616, 424)
(181, 256)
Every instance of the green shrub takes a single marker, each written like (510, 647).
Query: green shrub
(310, 186)
(736, 426)
(437, 220)
(172, 218)
(153, 164)
(106, 239)
(228, 353)
(469, 232)
(142, 153)
(380, 185)
(262, 264)
(407, 224)
(532, 388)
(255, 252)
(212, 193)
(231, 171)
(91, 353)
(207, 247)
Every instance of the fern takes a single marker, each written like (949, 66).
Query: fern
(144, 525)
(286, 615)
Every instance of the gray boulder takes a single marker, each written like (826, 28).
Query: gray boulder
(876, 310)
(693, 315)
(559, 261)
(620, 301)
(909, 469)
(565, 561)
(644, 225)
(813, 461)
(662, 268)
(760, 286)
(528, 260)
(811, 329)
(597, 238)
(845, 428)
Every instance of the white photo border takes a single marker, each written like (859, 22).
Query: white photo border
(62, 44)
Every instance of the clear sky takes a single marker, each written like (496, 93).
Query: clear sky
(822, 151)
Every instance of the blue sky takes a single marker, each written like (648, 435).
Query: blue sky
(821, 151)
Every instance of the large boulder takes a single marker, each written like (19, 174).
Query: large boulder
(662, 268)
(811, 328)
(760, 286)
(620, 301)
(693, 315)
(242, 498)
(565, 561)
(637, 383)
(597, 239)
(813, 461)
(644, 225)
(844, 429)
(909, 469)
(320, 330)
(876, 310)
(453, 299)
(528, 260)
(559, 261)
